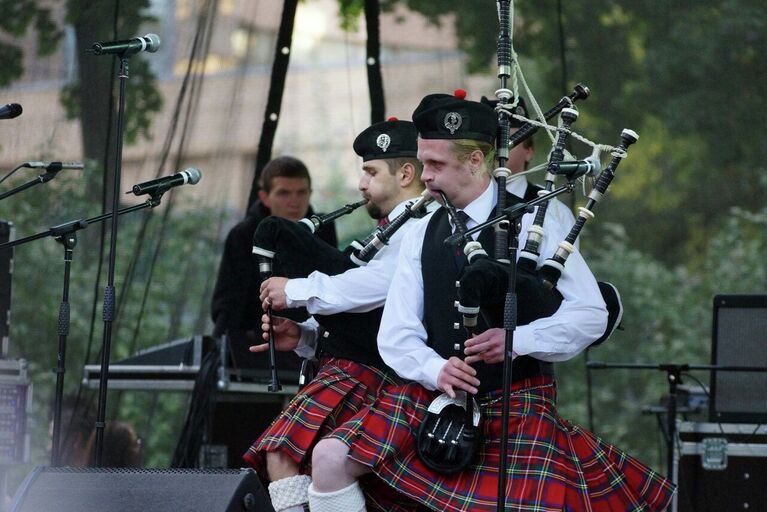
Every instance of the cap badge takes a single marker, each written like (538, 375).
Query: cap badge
(383, 141)
(453, 121)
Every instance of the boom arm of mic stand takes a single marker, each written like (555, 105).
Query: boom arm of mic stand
(66, 234)
(76, 225)
(48, 176)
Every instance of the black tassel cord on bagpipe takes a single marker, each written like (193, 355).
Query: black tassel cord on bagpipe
(289, 249)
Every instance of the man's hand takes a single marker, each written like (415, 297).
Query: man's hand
(273, 293)
(487, 346)
(286, 334)
(457, 374)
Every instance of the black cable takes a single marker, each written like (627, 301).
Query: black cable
(276, 90)
(186, 92)
(12, 171)
(198, 418)
(191, 110)
(563, 65)
(375, 80)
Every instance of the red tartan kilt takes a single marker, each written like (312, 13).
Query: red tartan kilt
(340, 389)
(552, 466)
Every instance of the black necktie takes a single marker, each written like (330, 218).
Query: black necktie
(458, 255)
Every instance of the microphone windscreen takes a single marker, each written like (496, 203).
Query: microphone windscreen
(193, 175)
(153, 42)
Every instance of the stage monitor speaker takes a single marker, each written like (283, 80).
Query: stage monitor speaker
(145, 490)
(739, 338)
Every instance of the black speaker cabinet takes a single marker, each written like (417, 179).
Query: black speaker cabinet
(143, 490)
(739, 338)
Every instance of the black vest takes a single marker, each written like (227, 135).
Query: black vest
(440, 273)
(352, 336)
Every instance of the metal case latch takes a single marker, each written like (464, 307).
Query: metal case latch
(714, 456)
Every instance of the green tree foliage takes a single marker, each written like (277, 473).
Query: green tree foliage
(94, 21)
(18, 17)
(667, 319)
(684, 218)
(687, 76)
(165, 315)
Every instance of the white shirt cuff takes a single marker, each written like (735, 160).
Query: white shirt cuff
(307, 342)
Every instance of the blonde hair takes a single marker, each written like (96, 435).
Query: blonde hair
(463, 148)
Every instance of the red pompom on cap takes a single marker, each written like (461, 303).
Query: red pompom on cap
(392, 118)
(460, 94)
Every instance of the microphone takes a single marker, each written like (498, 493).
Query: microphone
(191, 175)
(149, 43)
(54, 166)
(573, 169)
(10, 111)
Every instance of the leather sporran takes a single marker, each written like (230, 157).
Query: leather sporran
(447, 441)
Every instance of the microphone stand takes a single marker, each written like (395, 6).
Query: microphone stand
(674, 378)
(66, 235)
(47, 176)
(109, 291)
(513, 220)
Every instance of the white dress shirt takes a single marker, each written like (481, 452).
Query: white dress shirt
(580, 319)
(357, 290)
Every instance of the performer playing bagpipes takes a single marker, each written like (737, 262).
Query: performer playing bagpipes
(346, 308)
(552, 465)
(448, 436)
(235, 306)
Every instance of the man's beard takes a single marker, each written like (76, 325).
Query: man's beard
(374, 210)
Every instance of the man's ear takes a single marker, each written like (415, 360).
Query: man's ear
(476, 158)
(529, 153)
(406, 174)
(475, 161)
(264, 198)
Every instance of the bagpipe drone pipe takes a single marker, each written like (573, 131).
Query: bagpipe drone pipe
(553, 267)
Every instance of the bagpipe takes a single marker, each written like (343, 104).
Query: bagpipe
(290, 249)
(448, 438)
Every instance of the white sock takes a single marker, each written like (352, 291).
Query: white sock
(290, 494)
(348, 499)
